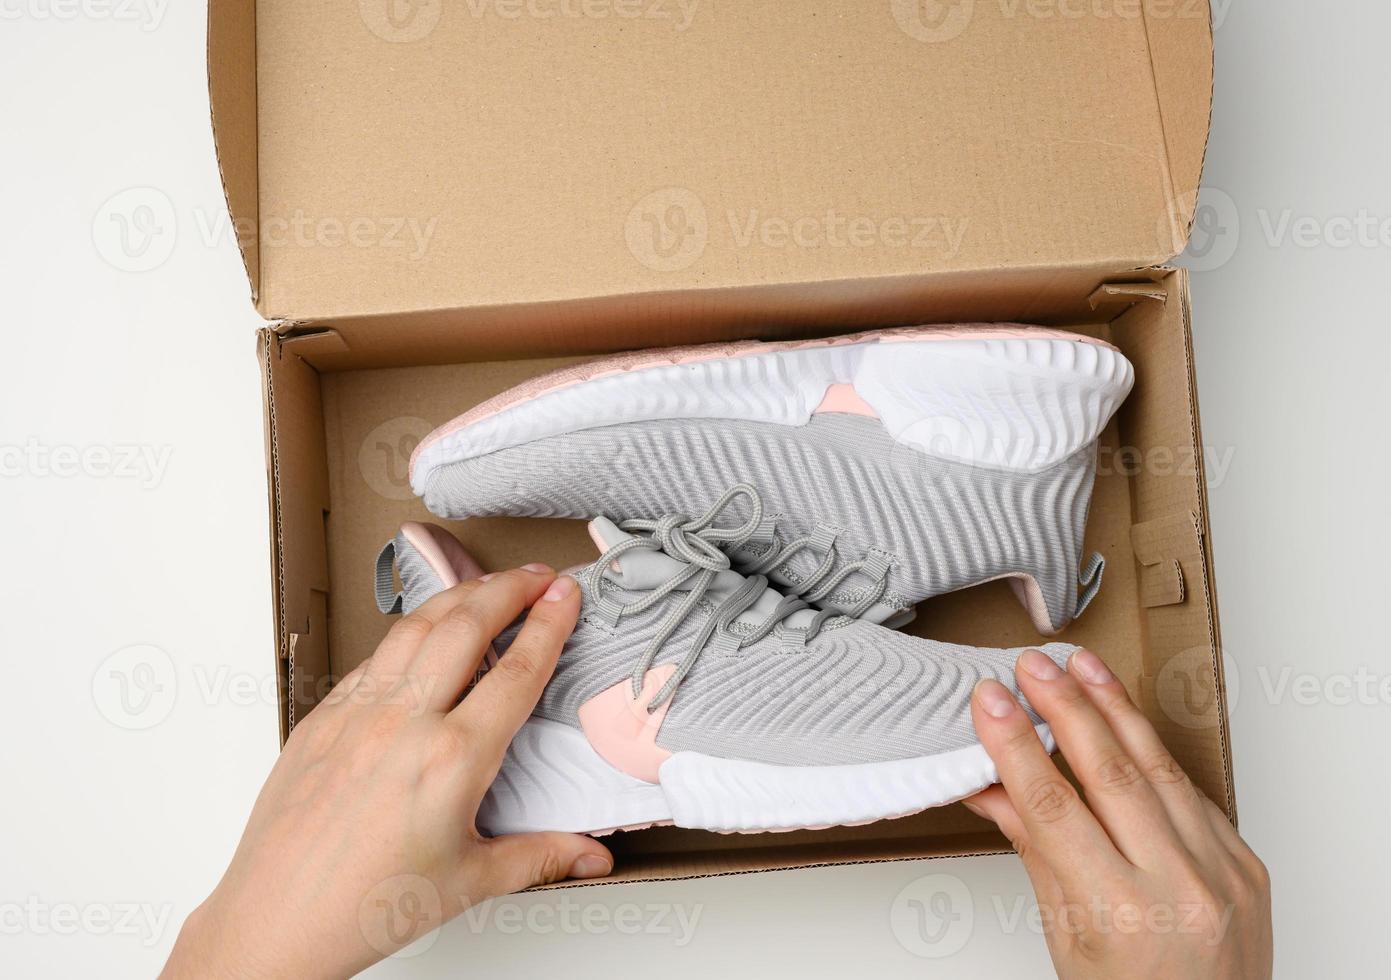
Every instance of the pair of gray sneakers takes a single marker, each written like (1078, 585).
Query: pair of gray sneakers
(779, 507)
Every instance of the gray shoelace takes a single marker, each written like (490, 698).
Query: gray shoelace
(821, 583)
(699, 544)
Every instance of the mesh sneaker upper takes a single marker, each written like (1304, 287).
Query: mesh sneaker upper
(854, 692)
(941, 526)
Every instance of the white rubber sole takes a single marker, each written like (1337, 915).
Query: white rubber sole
(1010, 403)
(551, 779)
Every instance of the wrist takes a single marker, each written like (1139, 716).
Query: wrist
(195, 952)
(211, 945)
(219, 942)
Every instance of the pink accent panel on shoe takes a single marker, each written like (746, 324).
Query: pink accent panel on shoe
(602, 545)
(621, 729)
(1030, 596)
(450, 560)
(596, 537)
(846, 400)
(636, 360)
(442, 552)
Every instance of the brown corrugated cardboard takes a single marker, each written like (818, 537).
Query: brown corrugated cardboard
(499, 160)
(1073, 147)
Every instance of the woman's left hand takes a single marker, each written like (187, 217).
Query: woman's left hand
(363, 838)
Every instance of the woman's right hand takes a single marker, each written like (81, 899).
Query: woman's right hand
(1144, 877)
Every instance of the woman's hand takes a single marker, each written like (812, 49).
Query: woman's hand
(363, 838)
(1145, 878)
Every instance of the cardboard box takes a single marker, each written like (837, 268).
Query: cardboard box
(439, 205)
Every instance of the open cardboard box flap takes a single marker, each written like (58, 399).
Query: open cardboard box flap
(414, 178)
(583, 183)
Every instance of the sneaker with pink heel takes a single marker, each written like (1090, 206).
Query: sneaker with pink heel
(691, 694)
(897, 464)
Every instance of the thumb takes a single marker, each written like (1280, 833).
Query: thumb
(522, 860)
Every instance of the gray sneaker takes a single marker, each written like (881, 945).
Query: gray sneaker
(897, 464)
(692, 695)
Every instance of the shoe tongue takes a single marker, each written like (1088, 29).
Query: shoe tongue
(640, 570)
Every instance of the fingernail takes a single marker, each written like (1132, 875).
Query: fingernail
(1040, 666)
(995, 698)
(539, 567)
(973, 808)
(560, 589)
(1090, 668)
(590, 866)
(487, 578)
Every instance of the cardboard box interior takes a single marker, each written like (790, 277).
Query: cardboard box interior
(1054, 162)
(341, 440)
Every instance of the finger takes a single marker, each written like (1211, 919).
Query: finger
(520, 861)
(1061, 830)
(1137, 736)
(450, 655)
(993, 804)
(1117, 792)
(408, 634)
(344, 688)
(503, 700)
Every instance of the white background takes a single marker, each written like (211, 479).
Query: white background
(97, 820)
